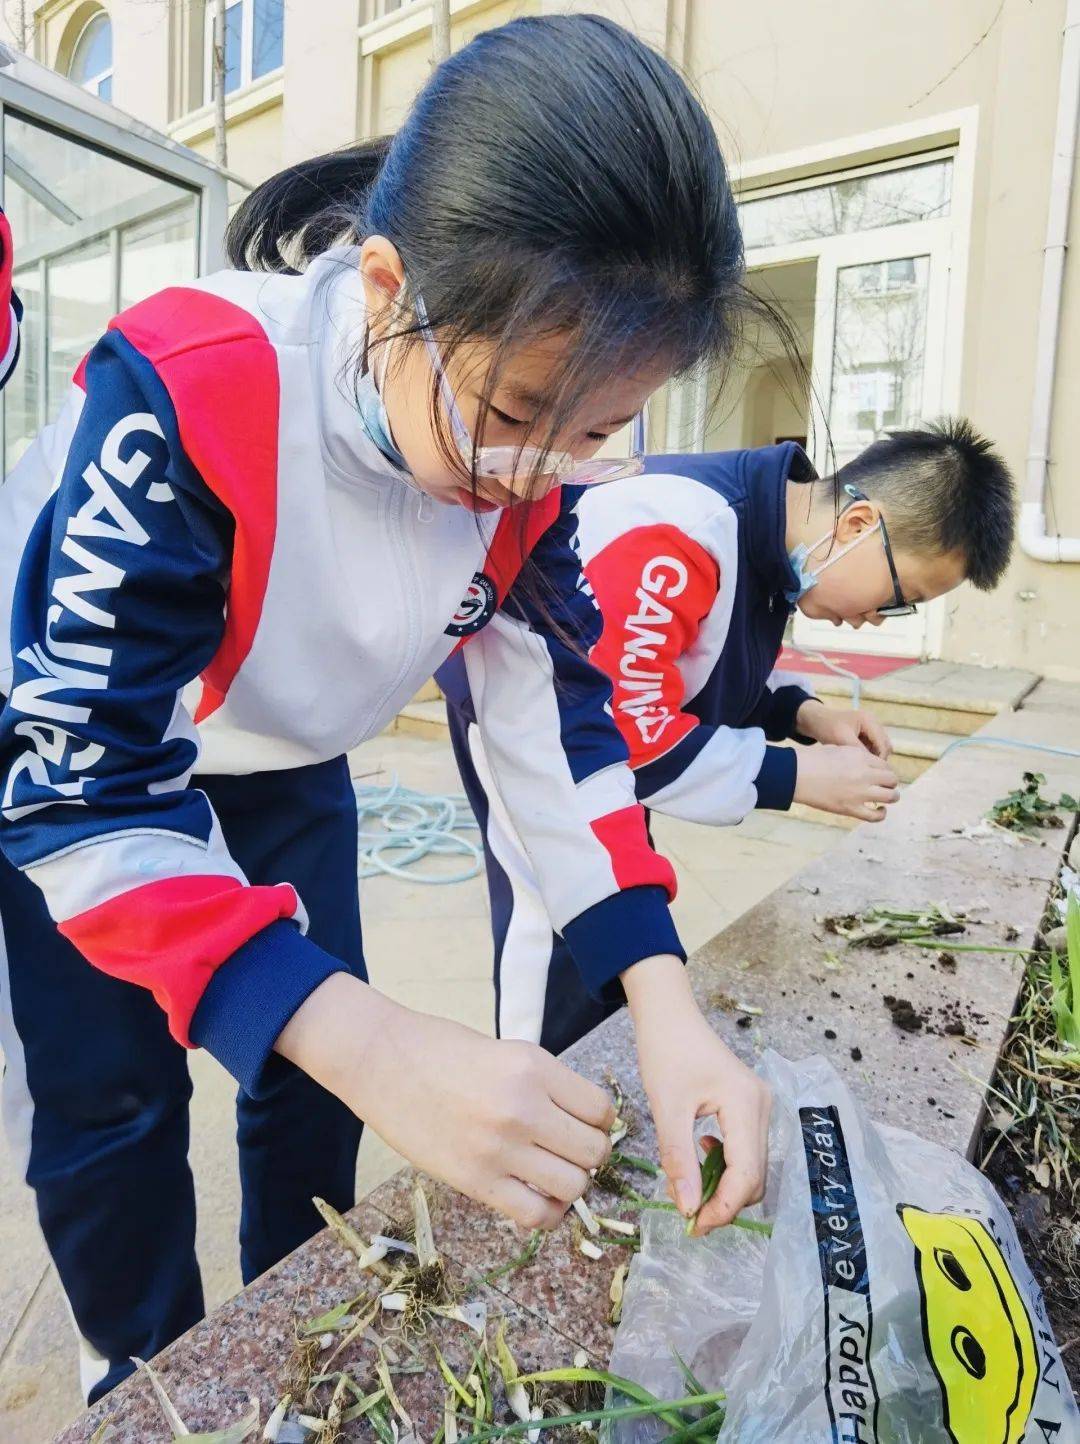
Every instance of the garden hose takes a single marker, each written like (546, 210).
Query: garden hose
(399, 827)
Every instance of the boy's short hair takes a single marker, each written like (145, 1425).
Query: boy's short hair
(944, 489)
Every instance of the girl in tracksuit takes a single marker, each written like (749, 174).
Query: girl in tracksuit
(274, 503)
(696, 567)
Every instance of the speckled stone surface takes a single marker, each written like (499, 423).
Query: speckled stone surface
(808, 984)
(561, 1286)
(246, 1349)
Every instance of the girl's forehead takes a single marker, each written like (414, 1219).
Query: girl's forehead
(531, 372)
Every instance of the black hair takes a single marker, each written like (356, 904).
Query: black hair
(944, 489)
(555, 175)
(303, 210)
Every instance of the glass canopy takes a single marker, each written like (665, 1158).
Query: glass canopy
(104, 210)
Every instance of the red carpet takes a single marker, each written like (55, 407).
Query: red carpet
(866, 665)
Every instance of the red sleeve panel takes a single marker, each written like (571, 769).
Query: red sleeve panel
(654, 586)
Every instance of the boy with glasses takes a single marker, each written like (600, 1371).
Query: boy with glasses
(696, 567)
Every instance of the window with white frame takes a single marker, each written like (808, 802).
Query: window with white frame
(91, 57)
(254, 37)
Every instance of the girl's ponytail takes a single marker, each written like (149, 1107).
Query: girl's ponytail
(302, 211)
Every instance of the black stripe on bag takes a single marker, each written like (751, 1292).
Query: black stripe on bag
(850, 1390)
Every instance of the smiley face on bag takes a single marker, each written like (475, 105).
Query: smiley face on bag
(978, 1334)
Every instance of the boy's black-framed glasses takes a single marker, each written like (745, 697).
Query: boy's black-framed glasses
(898, 607)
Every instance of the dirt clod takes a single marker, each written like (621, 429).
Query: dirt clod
(904, 1015)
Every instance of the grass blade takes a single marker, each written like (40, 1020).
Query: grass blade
(426, 1252)
(661, 1407)
(689, 1377)
(233, 1433)
(383, 1374)
(707, 1427)
(631, 1160)
(1072, 936)
(363, 1406)
(519, 1261)
(168, 1408)
(614, 1382)
(1059, 1001)
(452, 1379)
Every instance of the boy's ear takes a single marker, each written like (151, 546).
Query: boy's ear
(860, 516)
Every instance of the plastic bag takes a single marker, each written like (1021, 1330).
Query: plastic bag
(892, 1304)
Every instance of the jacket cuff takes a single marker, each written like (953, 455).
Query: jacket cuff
(253, 995)
(612, 935)
(786, 702)
(775, 781)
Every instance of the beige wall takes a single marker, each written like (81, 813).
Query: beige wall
(777, 76)
(785, 75)
(141, 50)
(255, 143)
(392, 73)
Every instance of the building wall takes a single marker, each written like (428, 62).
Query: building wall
(777, 77)
(783, 76)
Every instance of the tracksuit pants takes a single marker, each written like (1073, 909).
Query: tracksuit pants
(96, 1092)
(539, 995)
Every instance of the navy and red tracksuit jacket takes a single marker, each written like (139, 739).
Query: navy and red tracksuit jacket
(688, 565)
(209, 567)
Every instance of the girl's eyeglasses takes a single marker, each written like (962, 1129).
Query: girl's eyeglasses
(898, 607)
(501, 463)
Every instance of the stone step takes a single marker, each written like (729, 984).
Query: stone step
(422, 719)
(927, 698)
(934, 696)
(915, 748)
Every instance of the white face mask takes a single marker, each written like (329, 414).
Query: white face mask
(799, 555)
(373, 412)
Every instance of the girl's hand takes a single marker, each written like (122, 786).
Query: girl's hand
(842, 726)
(847, 780)
(503, 1122)
(689, 1074)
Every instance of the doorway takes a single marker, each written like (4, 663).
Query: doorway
(859, 266)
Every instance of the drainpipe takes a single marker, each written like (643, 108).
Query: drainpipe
(1033, 536)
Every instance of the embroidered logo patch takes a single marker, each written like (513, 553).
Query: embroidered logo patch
(475, 609)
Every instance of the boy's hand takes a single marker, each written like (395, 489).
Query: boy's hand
(689, 1074)
(848, 780)
(842, 726)
(503, 1122)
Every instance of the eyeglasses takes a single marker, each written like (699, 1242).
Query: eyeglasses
(898, 607)
(502, 463)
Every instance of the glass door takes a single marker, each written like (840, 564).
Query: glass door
(878, 359)
(94, 233)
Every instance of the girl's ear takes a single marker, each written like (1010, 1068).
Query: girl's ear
(860, 516)
(381, 272)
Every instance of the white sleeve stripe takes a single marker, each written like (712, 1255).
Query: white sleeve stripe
(84, 877)
(718, 786)
(511, 679)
